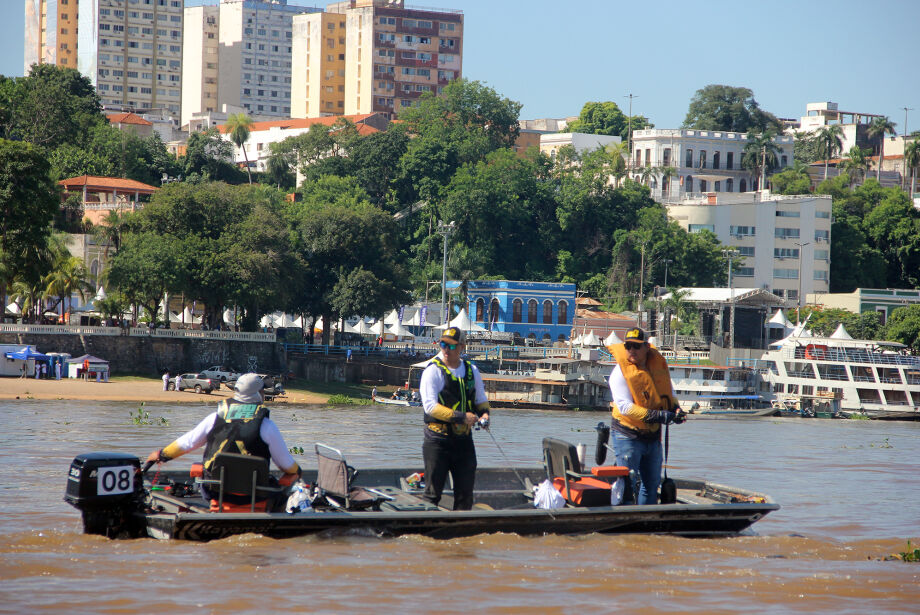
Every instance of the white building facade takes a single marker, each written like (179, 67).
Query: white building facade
(581, 142)
(783, 242)
(703, 161)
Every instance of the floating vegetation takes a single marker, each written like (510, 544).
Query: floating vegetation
(344, 400)
(142, 417)
(911, 555)
(885, 444)
(296, 450)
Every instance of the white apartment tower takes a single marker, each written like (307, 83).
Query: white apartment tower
(392, 55)
(200, 61)
(254, 44)
(131, 51)
(50, 33)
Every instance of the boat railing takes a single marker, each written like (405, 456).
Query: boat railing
(853, 355)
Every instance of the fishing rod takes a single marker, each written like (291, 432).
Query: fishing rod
(484, 424)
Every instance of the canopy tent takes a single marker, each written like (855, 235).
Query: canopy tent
(431, 318)
(399, 331)
(462, 321)
(612, 339)
(392, 318)
(350, 329)
(26, 353)
(377, 328)
(841, 333)
(229, 317)
(267, 321)
(363, 328)
(13, 308)
(285, 321)
(87, 366)
(298, 322)
(590, 339)
(100, 294)
(779, 321)
(576, 341)
(90, 306)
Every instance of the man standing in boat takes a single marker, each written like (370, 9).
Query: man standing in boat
(454, 399)
(239, 425)
(643, 399)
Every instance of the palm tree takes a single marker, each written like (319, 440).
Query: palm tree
(665, 175)
(912, 161)
(239, 125)
(759, 155)
(646, 174)
(856, 163)
(26, 296)
(830, 141)
(618, 158)
(109, 232)
(879, 127)
(69, 276)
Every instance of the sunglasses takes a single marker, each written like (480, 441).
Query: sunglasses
(632, 346)
(447, 346)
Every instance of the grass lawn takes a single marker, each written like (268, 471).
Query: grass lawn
(351, 389)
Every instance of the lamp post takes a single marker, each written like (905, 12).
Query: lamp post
(798, 307)
(629, 132)
(666, 261)
(731, 253)
(447, 230)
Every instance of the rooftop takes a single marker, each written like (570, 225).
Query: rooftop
(94, 183)
(295, 123)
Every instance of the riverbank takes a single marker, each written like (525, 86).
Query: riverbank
(138, 389)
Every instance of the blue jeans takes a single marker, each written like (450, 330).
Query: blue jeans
(644, 458)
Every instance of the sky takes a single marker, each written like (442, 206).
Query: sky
(553, 57)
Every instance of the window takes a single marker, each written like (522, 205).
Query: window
(782, 253)
(688, 183)
(562, 318)
(745, 250)
(822, 235)
(784, 161)
(787, 233)
(696, 228)
(786, 274)
(745, 272)
(648, 157)
(516, 306)
(718, 186)
(729, 184)
(823, 214)
(821, 275)
(532, 311)
(689, 162)
(703, 185)
(702, 163)
(822, 255)
(729, 160)
(547, 312)
(787, 214)
(742, 187)
(666, 157)
(715, 162)
(480, 309)
(494, 310)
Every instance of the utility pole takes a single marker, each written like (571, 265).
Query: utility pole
(763, 169)
(639, 318)
(906, 109)
(447, 230)
(666, 261)
(629, 130)
(798, 307)
(731, 253)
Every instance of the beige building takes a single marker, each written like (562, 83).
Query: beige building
(392, 55)
(782, 242)
(50, 33)
(318, 65)
(199, 61)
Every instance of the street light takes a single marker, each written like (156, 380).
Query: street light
(447, 230)
(799, 298)
(666, 261)
(731, 253)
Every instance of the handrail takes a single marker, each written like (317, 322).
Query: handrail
(59, 329)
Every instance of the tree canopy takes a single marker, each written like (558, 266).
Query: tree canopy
(724, 107)
(606, 118)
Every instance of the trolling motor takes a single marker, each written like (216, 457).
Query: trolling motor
(108, 488)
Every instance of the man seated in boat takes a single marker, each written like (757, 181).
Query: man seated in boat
(239, 425)
(643, 399)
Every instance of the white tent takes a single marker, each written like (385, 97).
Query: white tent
(13, 308)
(399, 331)
(612, 339)
(100, 294)
(229, 317)
(590, 339)
(189, 318)
(377, 328)
(286, 321)
(267, 321)
(350, 329)
(462, 321)
(392, 318)
(576, 341)
(779, 321)
(363, 328)
(841, 333)
(431, 318)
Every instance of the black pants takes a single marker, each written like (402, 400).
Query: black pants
(454, 454)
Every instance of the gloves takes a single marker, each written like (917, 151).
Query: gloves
(679, 416)
(666, 417)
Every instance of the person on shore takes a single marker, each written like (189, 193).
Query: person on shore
(178, 382)
(57, 370)
(22, 370)
(643, 400)
(44, 371)
(166, 380)
(239, 425)
(374, 392)
(454, 399)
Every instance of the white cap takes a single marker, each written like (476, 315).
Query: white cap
(247, 389)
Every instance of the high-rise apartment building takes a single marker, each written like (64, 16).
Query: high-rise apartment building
(251, 69)
(318, 65)
(50, 33)
(392, 55)
(131, 51)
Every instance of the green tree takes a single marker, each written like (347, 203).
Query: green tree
(606, 118)
(912, 161)
(806, 147)
(760, 156)
(68, 277)
(878, 128)
(904, 326)
(723, 107)
(144, 269)
(207, 158)
(239, 126)
(791, 180)
(856, 163)
(894, 228)
(830, 142)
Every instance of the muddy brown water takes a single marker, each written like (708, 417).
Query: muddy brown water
(849, 491)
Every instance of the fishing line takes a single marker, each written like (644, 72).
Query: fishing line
(508, 461)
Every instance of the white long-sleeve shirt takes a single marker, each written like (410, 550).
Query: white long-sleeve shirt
(434, 379)
(619, 390)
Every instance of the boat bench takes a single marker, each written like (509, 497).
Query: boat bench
(404, 502)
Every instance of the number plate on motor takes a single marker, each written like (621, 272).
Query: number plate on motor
(115, 479)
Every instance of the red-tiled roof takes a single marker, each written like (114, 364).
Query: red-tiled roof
(127, 118)
(295, 122)
(107, 184)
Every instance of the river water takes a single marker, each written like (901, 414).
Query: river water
(849, 492)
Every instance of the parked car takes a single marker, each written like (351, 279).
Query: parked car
(199, 382)
(221, 373)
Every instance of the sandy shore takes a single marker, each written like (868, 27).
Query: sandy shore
(124, 390)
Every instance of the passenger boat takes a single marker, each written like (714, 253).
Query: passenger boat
(549, 383)
(717, 389)
(825, 376)
(395, 401)
(117, 500)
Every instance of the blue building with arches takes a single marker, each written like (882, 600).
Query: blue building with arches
(543, 311)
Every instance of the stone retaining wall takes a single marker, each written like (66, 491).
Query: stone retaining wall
(154, 355)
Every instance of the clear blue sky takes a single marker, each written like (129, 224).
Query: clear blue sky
(555, 56)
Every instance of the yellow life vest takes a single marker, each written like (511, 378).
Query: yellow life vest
(648, 386)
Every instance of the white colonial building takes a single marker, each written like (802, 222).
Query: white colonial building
(703, 161)
(783, 243)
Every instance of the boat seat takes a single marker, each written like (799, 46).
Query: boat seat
(564, 470)
(240, 477)
(334, 482)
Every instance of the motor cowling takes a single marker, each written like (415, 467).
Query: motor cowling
(108, 489)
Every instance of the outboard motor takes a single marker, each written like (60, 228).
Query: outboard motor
(108, 489)
(600, 449)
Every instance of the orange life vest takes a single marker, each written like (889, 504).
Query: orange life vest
(648, 386)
